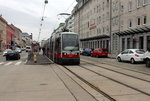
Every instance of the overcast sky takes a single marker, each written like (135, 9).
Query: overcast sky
(26, 14)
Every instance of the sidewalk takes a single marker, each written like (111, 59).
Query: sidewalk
(113, 56)
(41, 60)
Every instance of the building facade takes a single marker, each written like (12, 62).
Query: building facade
(3, 24)
(92, 23)
(10, 37)
(69, 23)
(131, 25)
(18, 34)
(26, 39)
(113, 24)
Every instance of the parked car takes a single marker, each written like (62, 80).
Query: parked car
(87, 52)
(23, 49)
(100, 52)
(81, 50)
(12, 54)
(28, 48)
(132, 55)
(147, 58)
(5, 51)
(18, 50)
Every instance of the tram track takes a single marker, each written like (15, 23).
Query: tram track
(91, 85)
(111, 64)
(113, 80)
(121, 72)
(72, 92)
(148, 94)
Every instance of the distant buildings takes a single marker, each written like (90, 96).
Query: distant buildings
(27, 39)
(3, 24)
(11, 36)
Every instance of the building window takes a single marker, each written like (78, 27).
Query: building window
(130, 23)
(141, 42)
(148, 42)
(130, 6)
(107, 3)
(144, 20)
(139, 21)
(128, 43)
(123, 44)
(139, 3)
(134, 43)
(103, 6)
(145, 2)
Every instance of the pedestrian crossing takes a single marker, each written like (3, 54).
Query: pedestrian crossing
(16, 63)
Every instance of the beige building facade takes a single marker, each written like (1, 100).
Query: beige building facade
(18, 34)
(3, 24)
(113, 24)
(133, 27)
(92, 23)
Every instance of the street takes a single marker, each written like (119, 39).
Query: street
(95, 79)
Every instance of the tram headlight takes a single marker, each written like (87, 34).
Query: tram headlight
(64, 53)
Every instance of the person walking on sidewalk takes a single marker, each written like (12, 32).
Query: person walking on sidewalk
(43, 49)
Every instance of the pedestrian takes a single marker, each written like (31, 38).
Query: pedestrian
(43, 49)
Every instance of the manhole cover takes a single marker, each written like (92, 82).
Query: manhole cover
(43, 84)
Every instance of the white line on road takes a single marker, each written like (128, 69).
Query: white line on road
(18, 63)
(8, 63)
(1, 63)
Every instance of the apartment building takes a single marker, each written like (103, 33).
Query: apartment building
(69, 23)
(3, 24)
(130, 24)
(113, 24)
(91, 21)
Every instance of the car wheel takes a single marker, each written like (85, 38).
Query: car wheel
(147, 63)
(119, 59)
(132, 61)
(97, 56)
(91, 55)
(7, 58)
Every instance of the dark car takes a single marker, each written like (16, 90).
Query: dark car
(87, 52)
(100, 52)
(12, 54)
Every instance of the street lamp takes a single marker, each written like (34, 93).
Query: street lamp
(42, 19)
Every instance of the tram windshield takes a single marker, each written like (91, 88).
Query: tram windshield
(70, 42)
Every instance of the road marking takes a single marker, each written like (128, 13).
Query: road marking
(8, 63)
(18, 63)
(1, 63)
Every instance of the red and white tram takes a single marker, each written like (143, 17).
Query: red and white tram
(63, 48)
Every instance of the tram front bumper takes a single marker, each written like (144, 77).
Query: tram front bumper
(71, 60)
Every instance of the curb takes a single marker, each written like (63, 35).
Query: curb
(49, 59)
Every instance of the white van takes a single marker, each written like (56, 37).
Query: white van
(28, 48)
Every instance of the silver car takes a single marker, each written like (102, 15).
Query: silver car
(132, 55)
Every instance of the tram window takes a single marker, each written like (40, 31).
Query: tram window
(70, 42)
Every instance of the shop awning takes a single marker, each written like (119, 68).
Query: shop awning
(133, 31)
(95, 38)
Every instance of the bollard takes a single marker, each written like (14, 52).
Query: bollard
(35, 59)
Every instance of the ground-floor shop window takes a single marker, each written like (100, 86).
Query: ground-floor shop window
(148, 42)
(128, 43)
(134, 43)
(141, 43)
(123, 44)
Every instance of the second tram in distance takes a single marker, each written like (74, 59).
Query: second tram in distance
(63, 48)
